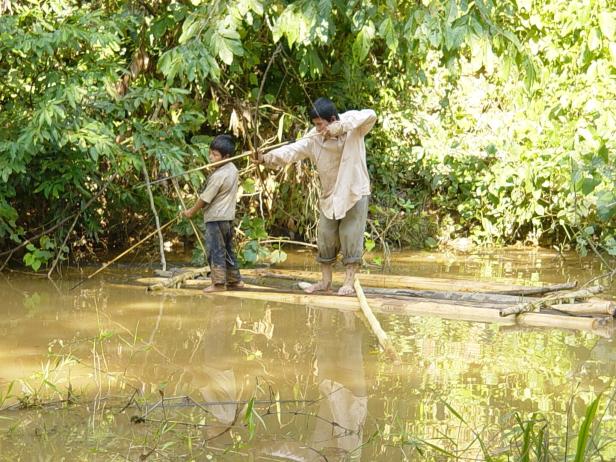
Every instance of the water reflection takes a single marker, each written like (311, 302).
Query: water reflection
(214, 374)
(340, 375)
(227, 351)
(336, 428)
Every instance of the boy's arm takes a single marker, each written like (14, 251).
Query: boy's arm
(362, 121)
(206, 197)
(189, 213)
(288, 154)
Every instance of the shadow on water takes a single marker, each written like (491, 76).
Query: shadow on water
(109, 372)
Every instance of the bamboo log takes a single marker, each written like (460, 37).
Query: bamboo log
(551, 300)
(484, 297)
(418, 307)
(603, 307)
(374, 323)
(413, 282)
(598, 326)
(176, 281)
(429, 307)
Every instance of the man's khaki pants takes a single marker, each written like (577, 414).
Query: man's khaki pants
(345, 235)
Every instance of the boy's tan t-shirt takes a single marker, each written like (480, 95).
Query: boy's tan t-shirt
(220, 194)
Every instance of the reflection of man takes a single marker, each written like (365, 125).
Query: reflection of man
(343, 398)
(340, 372)
(217, 379)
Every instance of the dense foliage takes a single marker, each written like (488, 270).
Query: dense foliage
(495, 117)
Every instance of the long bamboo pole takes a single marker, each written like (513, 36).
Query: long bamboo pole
(105, 265)
(229, 159)
(161, 242)
(195, 230)
(602, 307)
(374, 323)
(410, 282)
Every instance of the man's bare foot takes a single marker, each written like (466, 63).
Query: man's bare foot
(346, 290)
(214, 288)
(349, 280)
(236, 285)
(318, 287)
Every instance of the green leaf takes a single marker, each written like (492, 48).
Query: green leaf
(369, 244)
(190, 29)
(250, 255)
(363, 42)
(589, 185)
(388, 32)
(580, 454)
(607, 23)
(36, 264)
(606, 205)
(277, 256)
(594, 39)
(248, 185)
(603, 153)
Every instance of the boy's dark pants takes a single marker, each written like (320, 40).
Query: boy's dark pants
(220, 255)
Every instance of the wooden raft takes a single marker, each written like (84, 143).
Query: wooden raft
(586, 315)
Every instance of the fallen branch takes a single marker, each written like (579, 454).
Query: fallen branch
(550, 300)
(59, 254)
(178, 280)
(64, 220)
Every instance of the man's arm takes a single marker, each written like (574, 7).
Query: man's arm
(362, 121)
(288, 154)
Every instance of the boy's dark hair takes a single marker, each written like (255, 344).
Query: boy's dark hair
(224, 144)
(323, 108)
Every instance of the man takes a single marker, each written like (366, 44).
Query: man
(336, 146)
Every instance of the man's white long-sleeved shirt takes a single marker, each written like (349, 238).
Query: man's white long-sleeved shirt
(340, 162)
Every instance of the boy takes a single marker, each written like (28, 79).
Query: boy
(218, 200)
(336, 146)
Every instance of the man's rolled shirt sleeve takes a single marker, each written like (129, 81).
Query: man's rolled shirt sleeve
(362, 121)
(294, 152)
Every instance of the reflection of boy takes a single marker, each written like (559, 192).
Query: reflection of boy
(218, 200)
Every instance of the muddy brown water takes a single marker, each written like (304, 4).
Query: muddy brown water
(321, 388)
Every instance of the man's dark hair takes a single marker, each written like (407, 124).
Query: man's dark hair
(323, 108)
(224, 144)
